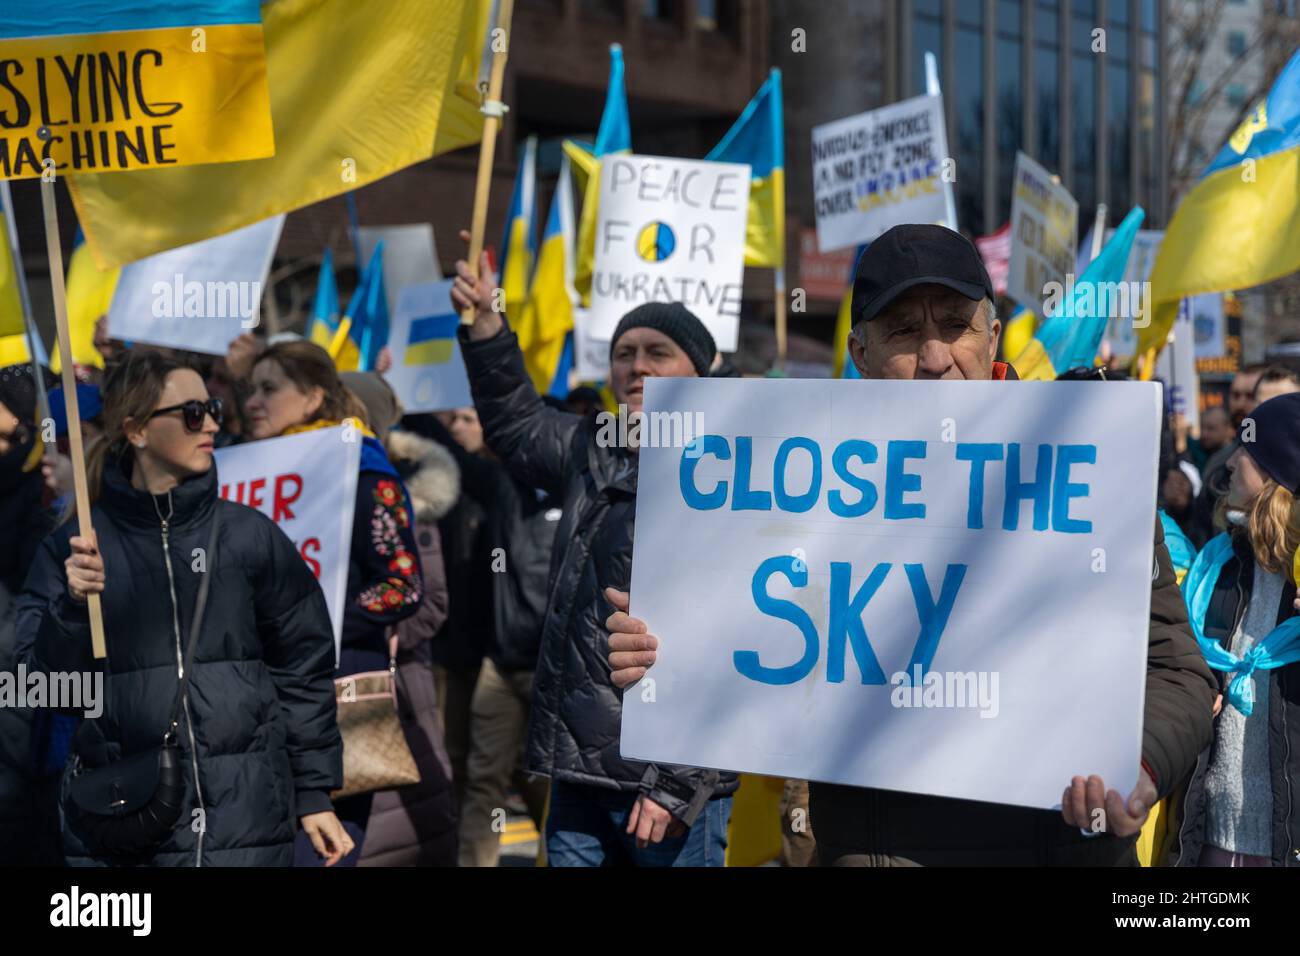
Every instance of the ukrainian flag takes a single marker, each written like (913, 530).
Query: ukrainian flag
(1070, 336)
(352, 347)
(545, 325)
(1240, 225)
(139, 85)
(89, 295)
(614, 136)
(324, 321)
(757, 139)
(11, 302)
(357, 91)
(431, 336)
(519, 248)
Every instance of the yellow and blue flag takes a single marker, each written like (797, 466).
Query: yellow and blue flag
(324, 322)
(545, 326)
(132, 85)
(758, 139)
(89, 295)
(519, 247)
(12, 321)
(357, 90)
(430, 339)
(353, 347)
(1071, 334)
(1240, 225)
(614, 136)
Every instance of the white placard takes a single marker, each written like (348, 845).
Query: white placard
(307, 484)
(1176, 367)
(428, 373)
(1046, 608)
(590, 355)
(670, 230)
(1044, 234)
(410, 255)
(1121, 331)
(198, 297)
(879, 169)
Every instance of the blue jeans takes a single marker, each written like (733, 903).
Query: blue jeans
(587, 826)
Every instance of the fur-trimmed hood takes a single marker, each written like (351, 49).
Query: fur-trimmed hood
(435, 484)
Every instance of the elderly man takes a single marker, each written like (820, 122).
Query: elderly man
(604, 810)
(923, 309)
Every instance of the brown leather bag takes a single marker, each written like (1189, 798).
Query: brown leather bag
(375, 753)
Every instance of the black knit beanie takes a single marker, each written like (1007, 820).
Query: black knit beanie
(678, 323)
(1275, 441)
(18, 391)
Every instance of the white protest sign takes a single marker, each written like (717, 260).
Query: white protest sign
(428, 373)
(879, 169)
(825, 539)
(410, 255)
(307, 484)
(1121, 331)
(670, 230)
(1176, 367)
(590, 355)
(198, 297)
(1044, 234)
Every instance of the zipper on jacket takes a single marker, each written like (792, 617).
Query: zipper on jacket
(180, 673)
(1286, 775)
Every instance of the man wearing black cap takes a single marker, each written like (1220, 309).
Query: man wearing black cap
(603, 809)
(923, 308)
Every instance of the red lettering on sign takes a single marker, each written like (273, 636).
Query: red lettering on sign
(280, 510)
(255, 492)
(312, 544)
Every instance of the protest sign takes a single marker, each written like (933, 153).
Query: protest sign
(199, 297)
(1121, 330)
(410, 254)
(1044, 234)
(99, 89)
(307, 484)
(1176, 367)
(670, 230)
(825, 544)
(1209, 326)
(590, 355)
(428, 373)
(879, 169)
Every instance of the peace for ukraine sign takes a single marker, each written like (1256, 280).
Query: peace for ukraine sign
(935, 587)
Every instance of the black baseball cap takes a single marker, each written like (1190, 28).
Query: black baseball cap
(912, 255)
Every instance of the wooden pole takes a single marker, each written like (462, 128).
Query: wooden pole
(76, 451)
(493, 111)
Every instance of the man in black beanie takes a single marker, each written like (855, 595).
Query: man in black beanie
(604, 810)
(923, 308)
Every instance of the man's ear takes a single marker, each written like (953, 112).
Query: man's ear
(858, 354)
(995, 334)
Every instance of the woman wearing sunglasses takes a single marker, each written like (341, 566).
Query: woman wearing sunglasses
(255, 726)
(295, 388)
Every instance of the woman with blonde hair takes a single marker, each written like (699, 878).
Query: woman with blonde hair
(1239, 807)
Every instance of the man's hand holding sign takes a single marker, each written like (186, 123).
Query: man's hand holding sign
(1007, 506)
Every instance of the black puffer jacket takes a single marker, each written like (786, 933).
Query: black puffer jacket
(574, 732)
(260, 701)
(1227, 606)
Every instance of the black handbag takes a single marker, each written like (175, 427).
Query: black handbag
(129, 807)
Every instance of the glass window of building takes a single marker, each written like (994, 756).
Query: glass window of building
(1083, 97)
(1009, 117)
(927, 37)
(1236, 43)
(968, 104)
(1236, 95)
(1047, 85)
(1120, 132)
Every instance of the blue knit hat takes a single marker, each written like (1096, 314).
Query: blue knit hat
(1275, 442)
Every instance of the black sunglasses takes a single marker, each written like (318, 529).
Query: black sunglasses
(194, 412)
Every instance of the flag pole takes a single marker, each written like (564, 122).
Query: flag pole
(76, 451)
(493, 110)
(1098, 230)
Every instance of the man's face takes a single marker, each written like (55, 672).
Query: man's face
(929, 332)
(1241, 397)
(1216, 429)
(638, 354)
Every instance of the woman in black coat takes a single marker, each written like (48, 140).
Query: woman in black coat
(259, 742)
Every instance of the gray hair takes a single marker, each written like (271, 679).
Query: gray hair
(859, 331)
